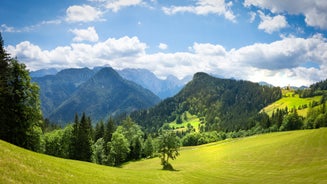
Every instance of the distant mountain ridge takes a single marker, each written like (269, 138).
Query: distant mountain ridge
(105, 94)
(99, 93)
(162, 88)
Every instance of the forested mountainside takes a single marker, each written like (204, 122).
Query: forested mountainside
(104, 94)
(55, 88)
(223, 104)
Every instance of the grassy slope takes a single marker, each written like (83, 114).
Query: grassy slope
(290, 102)
(286, 157)
(191, 119)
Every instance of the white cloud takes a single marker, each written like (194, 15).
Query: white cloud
(88, 34)
(314, 10)
(112, 51)
(84, 13)
(116, 5)
(8, 29)
(280, 62)
(205, 7)
(163, 46)
(271, 24)
(252, 16)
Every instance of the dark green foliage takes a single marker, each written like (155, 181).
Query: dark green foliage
(82, 139)
(179, 120)
(148, 149)
(292, 122)
(193, 139)
(99, 130)
(20, 117)
(109, 130)
(316, 89)
(226, 104)
(134, 135)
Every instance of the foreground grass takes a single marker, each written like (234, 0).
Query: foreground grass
(285, 157)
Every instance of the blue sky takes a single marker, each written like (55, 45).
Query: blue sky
(280, 42)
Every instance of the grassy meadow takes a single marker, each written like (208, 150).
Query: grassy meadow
(283, 157)
(291, 100)
(191, 119)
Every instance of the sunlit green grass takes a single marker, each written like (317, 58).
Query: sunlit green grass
(285, 157)
(191, 119)
(292, 100)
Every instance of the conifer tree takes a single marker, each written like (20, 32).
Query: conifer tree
(109, 130)
(20, 117)
(82, 139)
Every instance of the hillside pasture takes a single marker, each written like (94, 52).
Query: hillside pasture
(292, 100)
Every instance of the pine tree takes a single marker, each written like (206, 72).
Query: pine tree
(74, 144)
(99, 131)
(109, 130)
(20, 117)
(81, 139)
(85, 138)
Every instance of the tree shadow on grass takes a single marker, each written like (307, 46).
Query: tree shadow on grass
(169, 167)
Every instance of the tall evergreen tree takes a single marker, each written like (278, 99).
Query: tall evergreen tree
(99, 131)
(82, 139)
(20, 112)
(85, 138)
(109, 130)
(74, 145)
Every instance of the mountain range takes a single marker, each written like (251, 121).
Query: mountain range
(100, 93)
(162, 88)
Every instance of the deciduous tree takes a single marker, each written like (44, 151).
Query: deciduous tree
(169, 145)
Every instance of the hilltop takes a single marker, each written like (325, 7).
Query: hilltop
(284, 157)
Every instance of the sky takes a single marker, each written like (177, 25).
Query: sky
(279, 42)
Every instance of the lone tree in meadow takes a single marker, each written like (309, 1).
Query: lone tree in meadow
(169, 145)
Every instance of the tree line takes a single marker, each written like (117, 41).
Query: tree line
(109, 144)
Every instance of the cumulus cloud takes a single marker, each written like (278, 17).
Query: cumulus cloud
(280, 62)
(314, 10)
(271, 24)
(112, 51)
(84, 13)
(162, 46)
(88, 34)
(205, 7)
(116, 5)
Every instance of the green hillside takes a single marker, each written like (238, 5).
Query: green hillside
(291, 100)
(284, 157)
